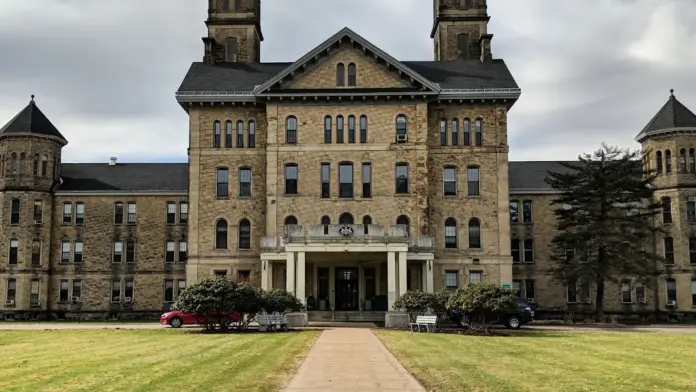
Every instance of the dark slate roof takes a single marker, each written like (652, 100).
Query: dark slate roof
(460, 74)
(124, 177)
(31, 119)
(672, 115)
(530, 175)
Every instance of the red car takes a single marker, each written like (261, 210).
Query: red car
(176, 318)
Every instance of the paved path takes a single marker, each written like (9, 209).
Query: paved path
(351, 359)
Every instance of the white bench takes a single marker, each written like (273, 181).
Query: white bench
(271, 321)
(429, 322)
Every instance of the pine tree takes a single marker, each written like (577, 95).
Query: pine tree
(606, 220)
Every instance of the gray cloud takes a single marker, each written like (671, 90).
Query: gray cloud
(105, 72)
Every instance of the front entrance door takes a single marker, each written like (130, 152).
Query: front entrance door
(347, 289)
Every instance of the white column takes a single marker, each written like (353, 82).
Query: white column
(402, 273)
(429, 277)
(301, 283)
(269, 272)
(391, 280)
(264, 274)
(290, 273)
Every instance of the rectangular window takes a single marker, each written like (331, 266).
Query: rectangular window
(130, 251)
(626, 292)
(515, 250)
(220, 273)
(228, 134)
(38, 212)
(450, 177)
(14, 248)
(671, 290)
(585, 292)
(118, 252)
(666, 210)
(171, 213)
(339, 129)
(529, 289)
(572, 292)
(67, 213)
(443, 132)
(455, 132)
(401, 178)
(450, 235)
(116, 291)
(252, 134)
(693, 292)
(290, 179)
(473, 181)
(79, 214)
(128, 290)
(118, 213)
(517, 288)
(14, 213)
(222, 186)
(64, 291)
(11, 290)
(245, 182)
(240, 134)
(168, 290)
(325, 180)
(528, 251)
(132, 213)
(691, 211)
(451, 280)
(76, 290)
(183, 212)
(327, 130)
(65, 252)
(669, 249)
(183, 251)
(77, 256)
(345, 180)
(170, 252)
(640, 293)
(527, 211)
(36, 252)
(182, 287)
(34, 298)
(475, 277)
(692, 250)
(243, 276)
(366, 180)
(351, 129)
(514, 211)
(363, 129)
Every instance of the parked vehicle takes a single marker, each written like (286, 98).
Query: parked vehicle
(176, 319)
(514, 320)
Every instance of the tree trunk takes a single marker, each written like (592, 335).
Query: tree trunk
(599, 316)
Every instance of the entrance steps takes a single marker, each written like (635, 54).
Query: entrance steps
(346, 316)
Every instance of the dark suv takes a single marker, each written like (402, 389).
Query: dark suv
(524, 315)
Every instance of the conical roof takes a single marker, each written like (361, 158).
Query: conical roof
(672, 115)
(31, 120)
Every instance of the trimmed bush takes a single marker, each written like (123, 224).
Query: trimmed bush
(484, 304)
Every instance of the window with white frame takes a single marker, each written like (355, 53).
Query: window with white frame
(128, 290)
(183, 212)
(450, 181)
(67, 213)
(168, 290)
(65, 252)
(451, 280)
(475, 277)
(181, 288)
(691, 209)
(626, 291)
(77, 255)
(79, 213)
(118, 252)
(171, 213)
(183, 251)
(14, 251)
(34, 298)
(116, 291)
(171, 251)
(131, 213)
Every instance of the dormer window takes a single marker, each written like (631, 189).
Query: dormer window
(231, 49)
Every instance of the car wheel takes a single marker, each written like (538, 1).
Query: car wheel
(176, 322)
(513, 322)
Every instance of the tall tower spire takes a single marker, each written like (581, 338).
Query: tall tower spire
(234, 31)
(460, 30)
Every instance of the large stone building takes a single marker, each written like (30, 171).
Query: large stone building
(346, 177)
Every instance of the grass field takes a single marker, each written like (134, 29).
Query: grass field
(542, 362)
(148, 360)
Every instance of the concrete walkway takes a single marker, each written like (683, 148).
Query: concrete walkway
(351, 359)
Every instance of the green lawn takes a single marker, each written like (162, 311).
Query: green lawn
(626, 361)
(148, 360)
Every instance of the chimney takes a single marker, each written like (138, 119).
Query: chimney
(112, 161)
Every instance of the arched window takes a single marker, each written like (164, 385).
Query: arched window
(228, 134)
(443, 132)
(352, 75)
(35, 165)
(479, 132)
(231, 49)
(351, 129)
(252, 134)
(401, 128)
(290, 220)
(403, 220)
(326, 221)
(339, 129)
(327, 129)
(666, 210)
(467, 132)
(291, 130)
(668, 161)
(22, 162)
(244, 234)
(692, 162)
(682, 160)
(363, 129)
(345, 219)
(455, 132)
(44, 165)
(2, 165)
(658, 158)
(240, 134)
(474, 233)
(216, 134)
(340, 75)
(451, 233)
(366, 221)
(221, 234)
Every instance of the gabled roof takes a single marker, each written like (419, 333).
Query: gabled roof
(31, 120)
(345, 33)
(672, 115)
(160, 177)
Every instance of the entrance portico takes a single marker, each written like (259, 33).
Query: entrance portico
(347, 267)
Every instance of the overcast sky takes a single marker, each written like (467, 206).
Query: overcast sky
(105, 72)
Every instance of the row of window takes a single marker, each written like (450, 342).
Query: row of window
(631, 292)
(453, 138)
(243, 234)
(230, 134)
(341, 75)
(526, 211)
(669, 250)
(667, 209)
(452, 278)
(684, 167)
(70, 291)
(18, 163)
(340, 129)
